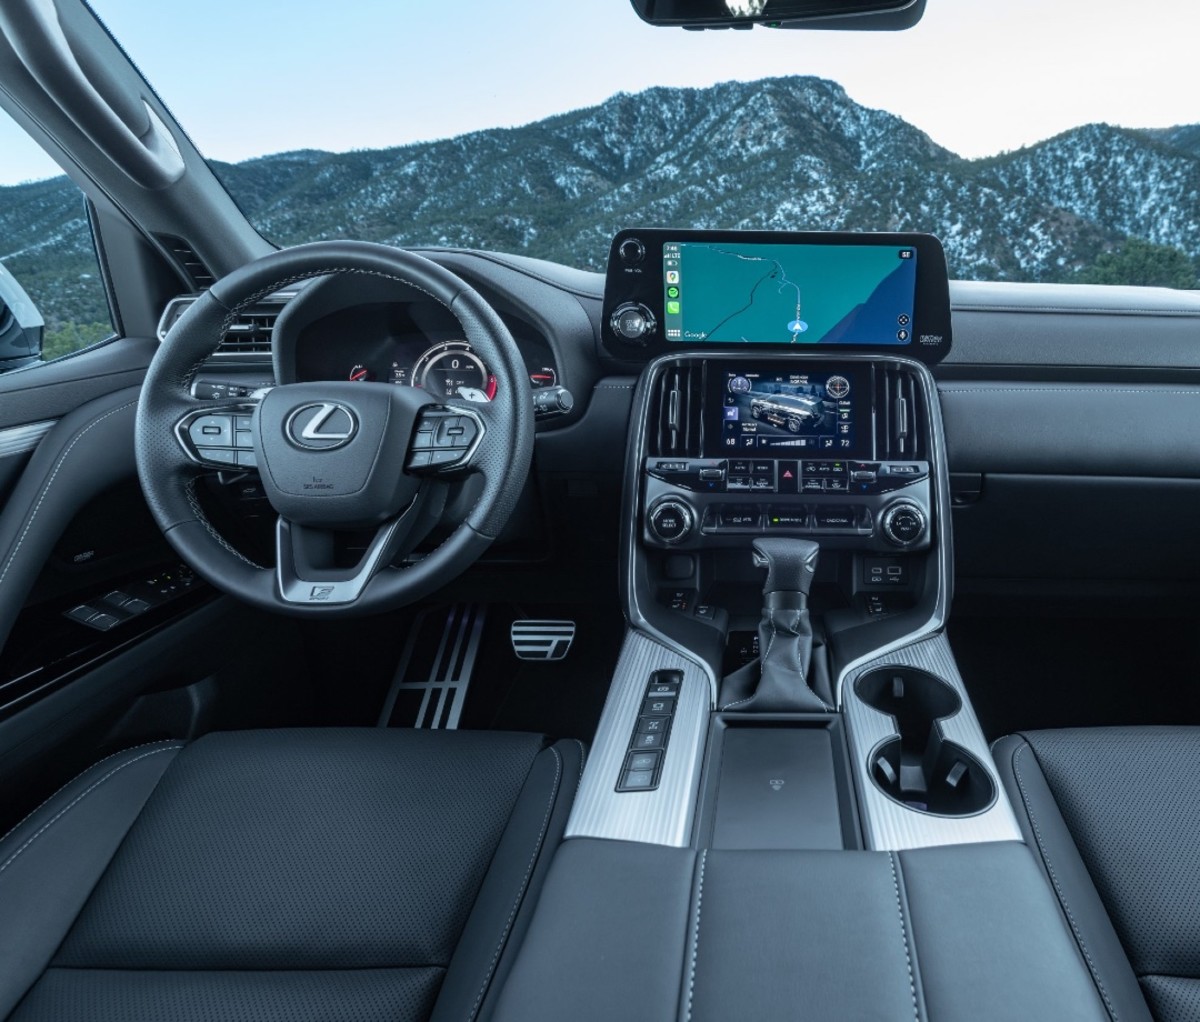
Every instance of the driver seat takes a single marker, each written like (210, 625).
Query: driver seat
(325, 874)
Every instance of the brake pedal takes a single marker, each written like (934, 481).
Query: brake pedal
(542, 640)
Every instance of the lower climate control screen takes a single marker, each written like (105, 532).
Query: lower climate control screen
(776, 414)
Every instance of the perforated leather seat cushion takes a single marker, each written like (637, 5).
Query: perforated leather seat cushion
(1130, 799)
(293, 875)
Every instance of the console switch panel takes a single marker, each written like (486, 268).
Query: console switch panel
(648, 744)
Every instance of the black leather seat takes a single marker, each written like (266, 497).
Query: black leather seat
(1114, 814)
(300, 875)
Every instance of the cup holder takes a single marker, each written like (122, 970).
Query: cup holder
(919, 768)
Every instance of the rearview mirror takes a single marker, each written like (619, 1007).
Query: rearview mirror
(868, 15)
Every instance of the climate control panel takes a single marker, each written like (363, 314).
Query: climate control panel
(881, 506)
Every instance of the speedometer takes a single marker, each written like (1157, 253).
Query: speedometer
(449, 366)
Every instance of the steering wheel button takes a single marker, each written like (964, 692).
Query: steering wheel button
(243, 438)
(218, 456)
(247, 459)
(212, 430)
(419, 459)
(242, 421)
(444, 457)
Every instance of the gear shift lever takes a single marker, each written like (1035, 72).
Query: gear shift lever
(779, 681)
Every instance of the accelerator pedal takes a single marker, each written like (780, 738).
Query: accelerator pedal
(542, 640)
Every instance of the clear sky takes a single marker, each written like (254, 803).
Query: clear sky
(249, 77)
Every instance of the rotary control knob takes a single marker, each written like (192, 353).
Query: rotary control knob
(631, 251)
(903, 523)
(632, 322)
(671, 521)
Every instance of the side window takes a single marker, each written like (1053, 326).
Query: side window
(51, 292)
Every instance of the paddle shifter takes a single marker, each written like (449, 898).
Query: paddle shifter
(782, 679)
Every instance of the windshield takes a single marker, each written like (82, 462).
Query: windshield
(1040, 142)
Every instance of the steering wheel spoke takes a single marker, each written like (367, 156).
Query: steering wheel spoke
(445, 440)
(219, 436)
(304, 555)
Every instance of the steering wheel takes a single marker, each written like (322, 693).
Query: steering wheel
(333, 456)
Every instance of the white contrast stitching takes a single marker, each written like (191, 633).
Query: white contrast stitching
(1062, 898)
(912, 985)
(79, 798)
(537, 847)
(50, 481)
(582, 763)
(696, 934)
(28, 816)
(189, 491)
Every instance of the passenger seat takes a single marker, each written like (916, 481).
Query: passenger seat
(1114, 815)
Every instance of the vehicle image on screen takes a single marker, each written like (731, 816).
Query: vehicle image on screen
(793, 412)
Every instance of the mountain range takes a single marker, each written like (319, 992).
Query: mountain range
(780, 153)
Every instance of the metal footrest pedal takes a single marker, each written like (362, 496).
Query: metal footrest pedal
(430, 686)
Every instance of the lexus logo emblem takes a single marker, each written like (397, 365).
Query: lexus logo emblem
(321, 426)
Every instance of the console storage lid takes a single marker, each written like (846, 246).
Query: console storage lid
(639, 931)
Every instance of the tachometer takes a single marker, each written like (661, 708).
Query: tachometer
(446, 367)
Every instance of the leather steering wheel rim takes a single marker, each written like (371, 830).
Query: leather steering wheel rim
(168, 477)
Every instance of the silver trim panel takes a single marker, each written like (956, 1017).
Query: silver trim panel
(20, 439)
(887, 825)
(663, 816)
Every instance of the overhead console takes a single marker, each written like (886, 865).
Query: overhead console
(669, 290)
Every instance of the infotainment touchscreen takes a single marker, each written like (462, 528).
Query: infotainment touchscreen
(729, 292)
(774, 414)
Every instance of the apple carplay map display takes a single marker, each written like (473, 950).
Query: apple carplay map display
(726, 293)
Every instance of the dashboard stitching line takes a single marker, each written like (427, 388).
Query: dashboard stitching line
(1068, 310)
(1062, 898)
(537, 847)
(696, 934)
(79, 798)
(50, 481)
(1142, 392)
(912, 985)
(30, 815)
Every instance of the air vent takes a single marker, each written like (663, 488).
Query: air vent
(675, 411)
(900, 416)
(193, 268)
(250, 333)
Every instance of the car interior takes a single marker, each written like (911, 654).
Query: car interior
(765, 626)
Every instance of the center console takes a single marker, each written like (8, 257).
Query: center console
(785, 415)
(798, 808)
